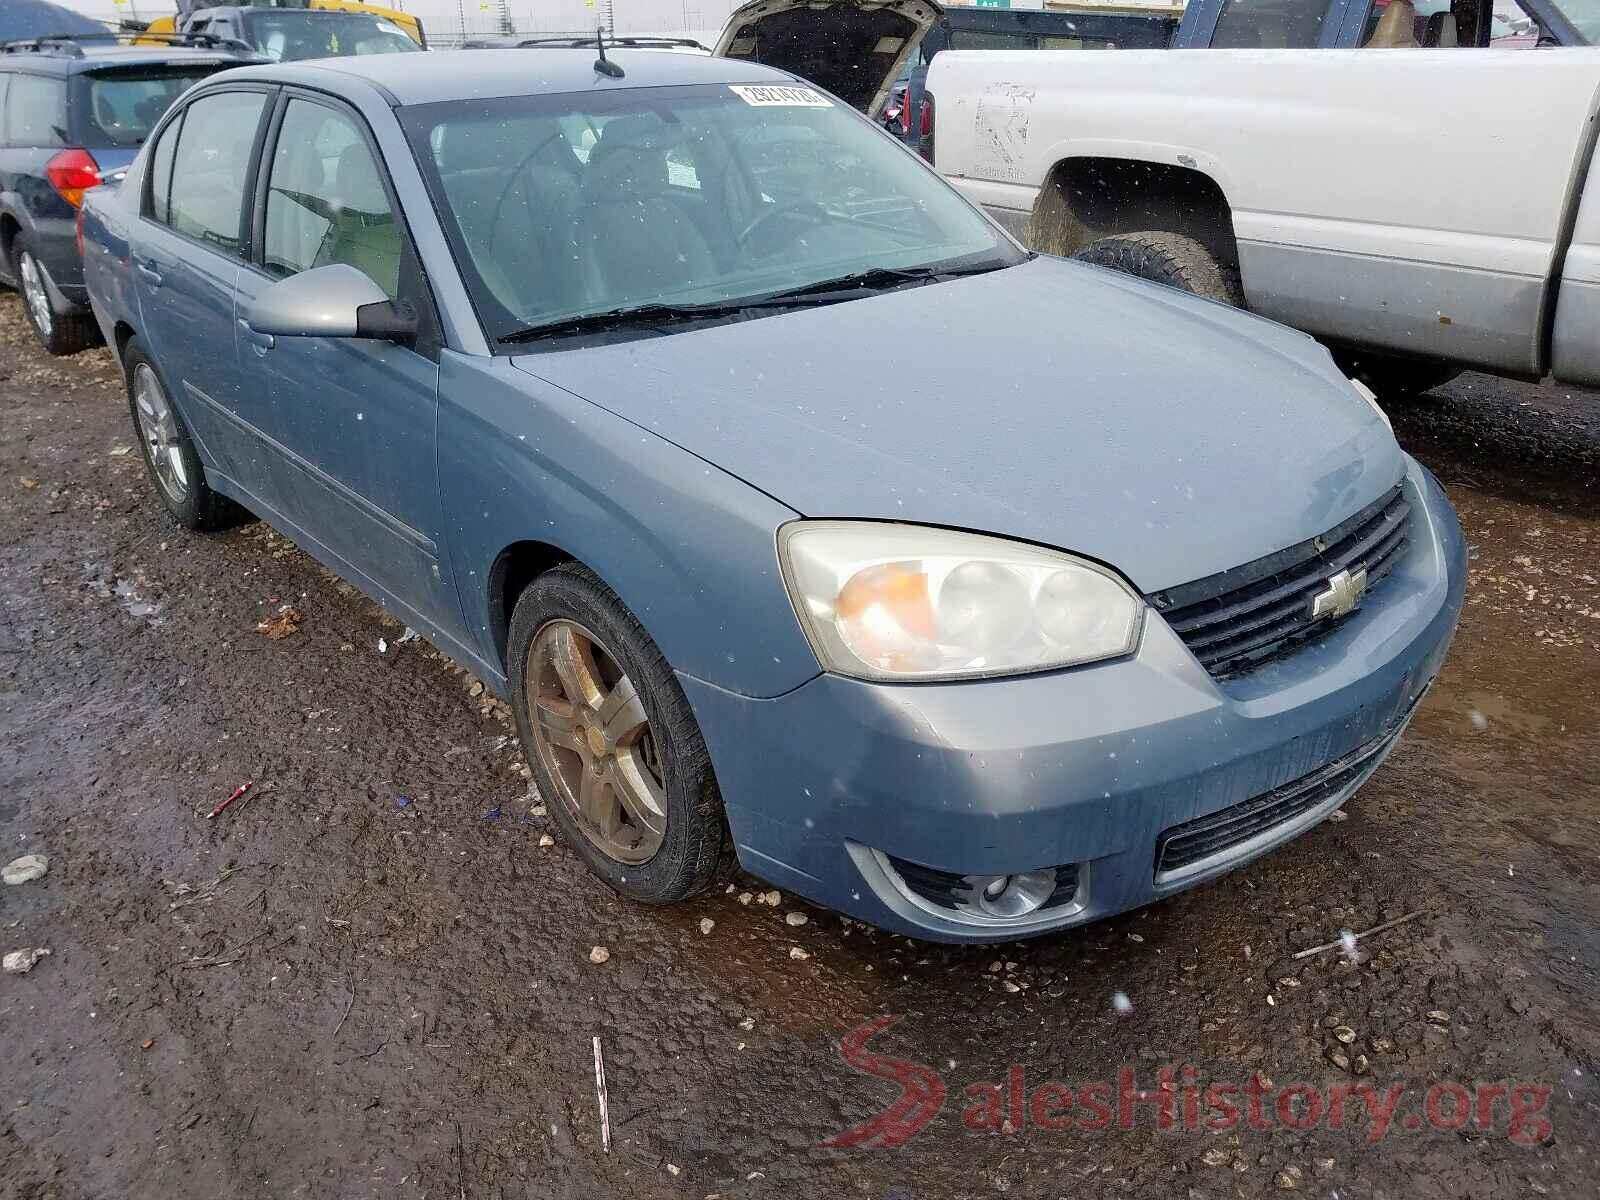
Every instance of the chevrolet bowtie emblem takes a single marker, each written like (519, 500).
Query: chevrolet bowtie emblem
(1341, 596)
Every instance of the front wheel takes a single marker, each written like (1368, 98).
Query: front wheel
(1168, 258)
(613, 744)
(59, 334)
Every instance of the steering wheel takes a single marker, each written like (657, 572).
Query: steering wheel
(808, 211)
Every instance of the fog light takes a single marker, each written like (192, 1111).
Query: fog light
(1010, 896)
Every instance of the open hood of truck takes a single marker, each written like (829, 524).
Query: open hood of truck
(853, 48)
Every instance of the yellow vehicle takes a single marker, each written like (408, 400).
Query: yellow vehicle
(187, 9)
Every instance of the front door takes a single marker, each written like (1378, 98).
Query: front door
(352, 419)
(186, 260)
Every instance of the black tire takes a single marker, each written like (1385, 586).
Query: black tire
(1168, 258)
(687, 859)
(1393, 378)
(58, 334)
(194, 506)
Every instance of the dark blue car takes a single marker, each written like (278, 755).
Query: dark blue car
(74, 110)
(578, 367)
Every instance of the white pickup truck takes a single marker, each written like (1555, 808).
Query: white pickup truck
(1420, 210)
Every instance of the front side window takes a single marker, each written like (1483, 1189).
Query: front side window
(572, 205)
(326, 202)
(1269, 24)
(36, 111)
(210, 164)
(120, 108)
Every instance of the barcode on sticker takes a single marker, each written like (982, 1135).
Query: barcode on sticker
(762, 95)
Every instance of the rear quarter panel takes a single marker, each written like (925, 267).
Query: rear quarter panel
(110, 215)
(1410, 199)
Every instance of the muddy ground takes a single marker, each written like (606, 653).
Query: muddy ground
(370, 979)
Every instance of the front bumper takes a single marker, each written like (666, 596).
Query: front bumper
(827, 785)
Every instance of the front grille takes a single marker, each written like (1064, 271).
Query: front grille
(1185, 844)
(948, 890)
(1237, 620)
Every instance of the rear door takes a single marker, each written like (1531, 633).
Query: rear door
(351, 419)
(190, 245)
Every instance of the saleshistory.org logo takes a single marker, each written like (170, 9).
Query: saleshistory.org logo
(1181, 1100)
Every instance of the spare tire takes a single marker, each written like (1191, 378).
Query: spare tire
(1168, 258)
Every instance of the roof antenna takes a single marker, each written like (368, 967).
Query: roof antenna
(603, 65)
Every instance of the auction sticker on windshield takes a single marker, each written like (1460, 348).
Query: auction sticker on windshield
(787, 97)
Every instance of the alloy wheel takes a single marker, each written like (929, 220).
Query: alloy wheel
(595, 742)
(158, 426)
(35, 295)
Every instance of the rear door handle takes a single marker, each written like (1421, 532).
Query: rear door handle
(261, 341)
(149, 272)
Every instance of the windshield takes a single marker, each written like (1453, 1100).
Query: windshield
(289, 36)
(568, 205)
(120, 108)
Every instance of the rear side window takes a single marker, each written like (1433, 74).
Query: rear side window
(210, 165)
(161, 172)
(1269, 24)
(36, 111)
(120, 108)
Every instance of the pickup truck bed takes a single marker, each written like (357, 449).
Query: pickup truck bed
(1430, 203)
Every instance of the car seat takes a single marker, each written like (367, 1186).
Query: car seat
(635, 238)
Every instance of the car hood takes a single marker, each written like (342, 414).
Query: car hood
(1054, 402)
(853, 48)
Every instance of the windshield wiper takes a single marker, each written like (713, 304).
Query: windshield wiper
(622, 318)
(874, 279)
(824, 291)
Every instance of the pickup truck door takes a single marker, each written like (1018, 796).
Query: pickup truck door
(350, 422)
(186, 252)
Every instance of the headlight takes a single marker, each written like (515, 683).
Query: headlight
(881, 601)
(1371, 398)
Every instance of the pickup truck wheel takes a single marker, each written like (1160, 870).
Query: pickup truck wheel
(169, 452)
(1168, 258)
(611, 739)
(1394, 378)
(57, 333)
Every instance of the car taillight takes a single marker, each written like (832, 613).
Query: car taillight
(925, 128)
(72, 173)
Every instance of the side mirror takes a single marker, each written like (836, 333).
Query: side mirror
(331, 301)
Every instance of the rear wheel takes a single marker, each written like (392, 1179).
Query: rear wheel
(58, 334)
(612, 742)
(169, 452)
(1168, 258)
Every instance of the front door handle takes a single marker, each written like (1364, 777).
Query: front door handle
(261, 341)
(148, 271)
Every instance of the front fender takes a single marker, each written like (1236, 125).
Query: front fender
(690, 549)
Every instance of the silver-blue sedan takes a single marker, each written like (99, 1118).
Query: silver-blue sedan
(792, 504)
